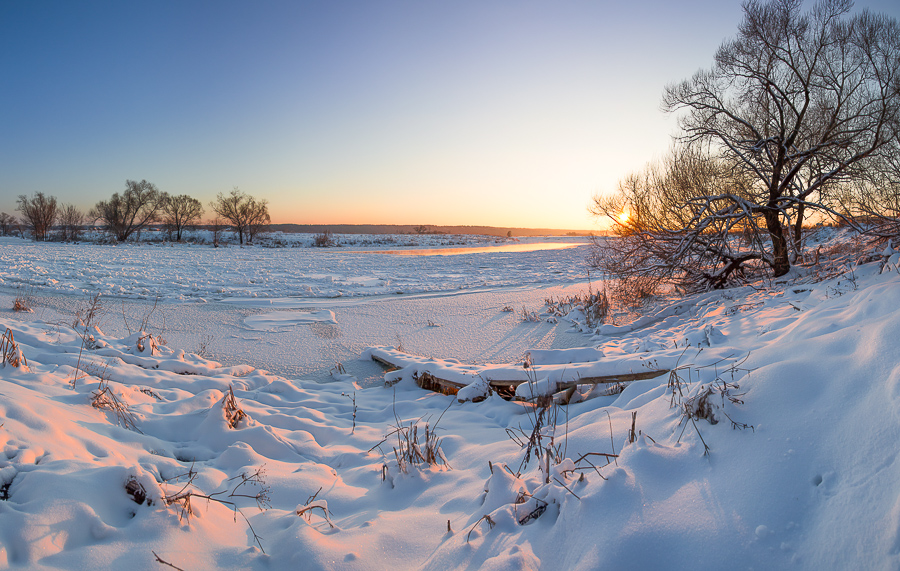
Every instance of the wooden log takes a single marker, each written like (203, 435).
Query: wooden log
(429, 382)
(596, 380)
(506, 387)
(384, 363)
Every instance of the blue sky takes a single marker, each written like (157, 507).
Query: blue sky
(504, 113)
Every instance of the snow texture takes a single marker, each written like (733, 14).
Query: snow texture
(798, 470)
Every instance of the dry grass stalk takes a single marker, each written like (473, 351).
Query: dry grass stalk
(205, 341)
(632, 435)
(540, 441)
(23, 302)
(145, 341)
(594, 305)
(105, 399)
(306, 512)
(233, 413)
(310, 505)
(353, 400)
(145, 320)
(530, 316)
(10, 350)
(613, 389)
(486, 518)
(702, 405)
(610, 458)
(84, 319)
(411, 449)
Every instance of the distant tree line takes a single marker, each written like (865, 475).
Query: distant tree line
(798, 116)
(124, 215)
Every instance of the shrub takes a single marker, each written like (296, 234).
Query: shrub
(324, 240)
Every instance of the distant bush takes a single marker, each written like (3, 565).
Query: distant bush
(324, 240)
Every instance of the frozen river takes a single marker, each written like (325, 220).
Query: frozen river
(299, 311)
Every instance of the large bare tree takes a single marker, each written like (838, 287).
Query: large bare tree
(123, 215)
(181, 211)
(38, 213)
(801, 102)
(246, 214)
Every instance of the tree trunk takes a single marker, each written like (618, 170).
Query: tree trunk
(798, 230)
(780, 262)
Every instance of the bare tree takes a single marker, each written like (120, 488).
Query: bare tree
(179, 212)
(872, 203)
(123, 215)
(7, 224)
(661, 231)
(38, 213)
(800, 101)
(246, 214)
(71, 221)
(258, 219)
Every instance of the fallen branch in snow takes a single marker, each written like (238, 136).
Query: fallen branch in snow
(610, 458)
(162, 561)
(537, 512)
(184, 496)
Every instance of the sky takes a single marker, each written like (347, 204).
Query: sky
(500, 113)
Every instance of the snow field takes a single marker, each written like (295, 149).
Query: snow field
(801, 470)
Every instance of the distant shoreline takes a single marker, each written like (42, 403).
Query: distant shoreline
(430, 229)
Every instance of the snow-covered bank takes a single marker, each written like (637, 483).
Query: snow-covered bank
(802, 380)
(262, 316)
(280, 335)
